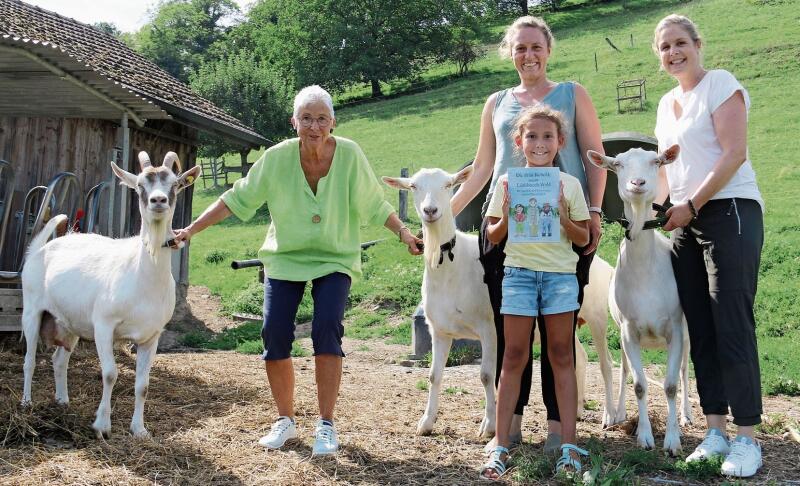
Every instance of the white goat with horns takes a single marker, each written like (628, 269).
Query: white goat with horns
(93, 287)
(644, 296)
(456, 300)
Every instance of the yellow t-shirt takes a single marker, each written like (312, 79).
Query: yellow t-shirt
(545, 257)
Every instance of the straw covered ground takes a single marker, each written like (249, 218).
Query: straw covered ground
(206, 411)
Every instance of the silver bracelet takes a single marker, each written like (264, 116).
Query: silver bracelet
(595, 209)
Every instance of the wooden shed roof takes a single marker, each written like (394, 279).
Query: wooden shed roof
(56, 66)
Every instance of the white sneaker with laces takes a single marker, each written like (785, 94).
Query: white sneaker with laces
(282, 430)
(714, 444)
(325, 442)
(744, 460)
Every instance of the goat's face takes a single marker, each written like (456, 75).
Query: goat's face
(432, 189)
(157, 187)
(637, 171)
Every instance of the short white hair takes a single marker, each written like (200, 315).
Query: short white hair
(312, 94)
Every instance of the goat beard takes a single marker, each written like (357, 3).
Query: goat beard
(431, 239)
(154, 234)
(639, 214)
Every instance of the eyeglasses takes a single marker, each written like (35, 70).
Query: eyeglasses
(307, 121)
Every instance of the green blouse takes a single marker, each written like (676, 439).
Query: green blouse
(311, 235)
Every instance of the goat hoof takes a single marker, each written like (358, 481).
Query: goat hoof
(425, 426)
(608, 419)
(142, 434)
(486, 429)
(26, 403)
(686, 420)
(102, 434)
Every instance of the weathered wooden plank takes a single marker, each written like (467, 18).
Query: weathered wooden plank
(10, 323)
(10, 301)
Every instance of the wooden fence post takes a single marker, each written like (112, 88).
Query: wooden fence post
(403, 206)
(595, 61)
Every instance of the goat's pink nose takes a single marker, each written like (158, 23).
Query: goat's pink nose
(638, 182)
(430, 210)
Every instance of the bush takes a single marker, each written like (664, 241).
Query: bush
(784, 386)
(216, 256)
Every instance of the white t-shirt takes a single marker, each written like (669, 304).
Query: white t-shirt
(694, 132)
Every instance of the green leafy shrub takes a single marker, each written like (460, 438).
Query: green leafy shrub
(216, 256)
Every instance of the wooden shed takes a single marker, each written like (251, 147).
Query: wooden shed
(72, 98)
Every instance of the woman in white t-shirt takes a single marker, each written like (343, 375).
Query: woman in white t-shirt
(718, 216)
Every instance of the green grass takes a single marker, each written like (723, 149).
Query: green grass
(245, 338)
(760, 44)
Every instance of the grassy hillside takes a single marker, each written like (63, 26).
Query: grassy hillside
(759, 41)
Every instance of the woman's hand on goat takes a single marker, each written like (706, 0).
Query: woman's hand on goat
(680, 215)
(412, 242)
(181, 235)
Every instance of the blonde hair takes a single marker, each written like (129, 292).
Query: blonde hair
(681, 21)
(527, 21)
(543, 112)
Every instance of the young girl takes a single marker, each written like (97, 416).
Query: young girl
(539, 278)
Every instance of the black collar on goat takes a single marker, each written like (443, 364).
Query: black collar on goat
(447, 247)
(661, 219)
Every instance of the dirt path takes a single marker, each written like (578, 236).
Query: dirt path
(206, 411)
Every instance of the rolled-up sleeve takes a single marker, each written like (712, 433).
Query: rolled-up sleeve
(368, 193)
(249, 193)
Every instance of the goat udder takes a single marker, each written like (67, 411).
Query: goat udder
(52, 333)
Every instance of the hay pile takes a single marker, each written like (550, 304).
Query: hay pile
(207, 410)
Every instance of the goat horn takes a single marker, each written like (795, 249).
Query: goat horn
(172, 158)
(144, 160)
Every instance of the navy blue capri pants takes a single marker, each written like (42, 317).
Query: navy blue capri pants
(281, 300)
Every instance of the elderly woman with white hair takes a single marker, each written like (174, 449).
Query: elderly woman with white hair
(319, 189)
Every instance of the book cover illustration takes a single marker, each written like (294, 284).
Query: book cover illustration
(533, 206)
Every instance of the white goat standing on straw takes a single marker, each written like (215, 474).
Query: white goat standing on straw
(644, 296)
(454, 297)
(456, 300)
(93, 287)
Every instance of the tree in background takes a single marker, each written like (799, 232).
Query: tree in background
(250, 91)
(512, 7)
(108, 28)
(340, 43)
(184, 34)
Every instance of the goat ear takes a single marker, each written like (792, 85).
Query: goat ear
(669, 156)
(124, 177)
(601, 160)
(397, 182)
(463, 175)
(187, 178)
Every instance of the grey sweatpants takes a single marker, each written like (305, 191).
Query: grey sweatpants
(716, 262)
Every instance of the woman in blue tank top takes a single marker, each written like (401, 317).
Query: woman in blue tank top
(529, 41)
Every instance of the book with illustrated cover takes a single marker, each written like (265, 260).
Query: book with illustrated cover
(533, 207)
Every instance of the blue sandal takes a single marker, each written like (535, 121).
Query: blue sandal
(495, 463)
(566, 460)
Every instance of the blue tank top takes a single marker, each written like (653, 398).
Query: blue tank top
(506, 110)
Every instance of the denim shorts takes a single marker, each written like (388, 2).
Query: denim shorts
(530, 293)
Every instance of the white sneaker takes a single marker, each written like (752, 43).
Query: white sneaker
(744, 460)
(325, 441)
(282, 430)
(714, 444)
